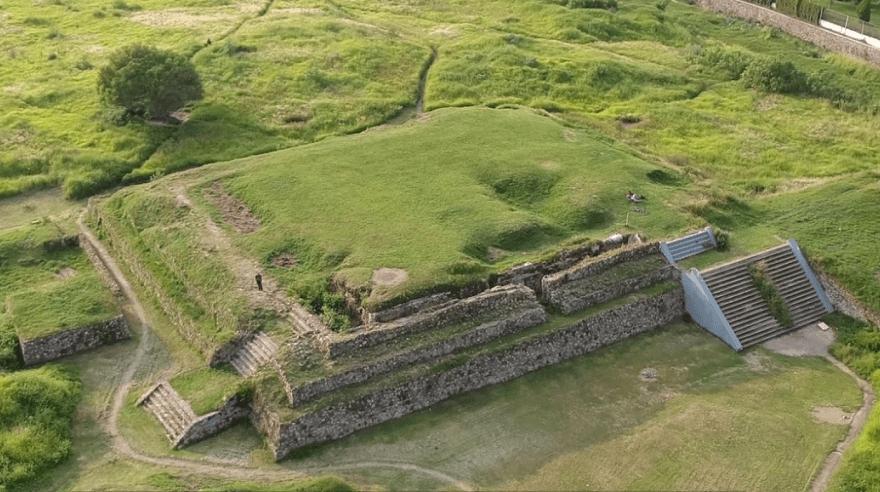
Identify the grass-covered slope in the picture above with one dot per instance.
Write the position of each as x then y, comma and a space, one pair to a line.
448, 199
35, 417
47, 284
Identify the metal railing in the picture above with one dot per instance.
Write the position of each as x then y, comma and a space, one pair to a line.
851, 23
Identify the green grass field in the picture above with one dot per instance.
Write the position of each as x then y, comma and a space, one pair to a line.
448, 199
45, 286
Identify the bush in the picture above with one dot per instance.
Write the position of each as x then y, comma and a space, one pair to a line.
809, 11
864, 10
148, 82
774, 75
731, 62
35, 419
770, 294
722, 240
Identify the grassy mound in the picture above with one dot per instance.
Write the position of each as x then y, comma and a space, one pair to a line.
47, 285
35, 417
447, 200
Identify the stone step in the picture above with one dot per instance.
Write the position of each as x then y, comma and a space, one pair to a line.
172, 412
257, 351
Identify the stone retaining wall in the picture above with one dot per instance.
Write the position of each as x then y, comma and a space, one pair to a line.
531, 274
125, 255
593, 266
571, 300
845, 302
338, 420
44, 349
517, 321
212, 423
796, 27
407, 308
501, 297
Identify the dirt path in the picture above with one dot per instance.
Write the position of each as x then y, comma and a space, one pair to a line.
228, 469
832, 462
812, 341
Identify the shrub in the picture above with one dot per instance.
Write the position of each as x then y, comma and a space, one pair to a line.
774, 75
148, 82
864, 10
8, 348
722, 239
729, 61
789, 7
809, 11
770, 294
35, 418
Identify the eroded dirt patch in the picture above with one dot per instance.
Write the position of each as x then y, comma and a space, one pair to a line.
66, 272
180, 18
648, 374
831, 415
285, 260
233, 210
389, 277
494, 254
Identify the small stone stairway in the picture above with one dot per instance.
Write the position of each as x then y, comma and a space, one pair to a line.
689, 245
172, 411
257, 351
742, 305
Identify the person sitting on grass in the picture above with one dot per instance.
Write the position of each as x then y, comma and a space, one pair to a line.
635, 197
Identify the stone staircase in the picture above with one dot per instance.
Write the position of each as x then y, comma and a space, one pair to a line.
257, 351
742, 305
689, 245
172, 411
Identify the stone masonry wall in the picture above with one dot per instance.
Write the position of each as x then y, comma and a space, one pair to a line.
845, 302
508, 296
338, 420
571, 300
593, 266
44, 349
212, 423
517, 321
798, 28
125, 254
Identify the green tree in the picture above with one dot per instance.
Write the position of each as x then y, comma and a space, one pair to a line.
148, 82
864, 10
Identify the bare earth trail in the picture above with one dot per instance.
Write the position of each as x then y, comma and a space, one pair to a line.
812, 341
214, 467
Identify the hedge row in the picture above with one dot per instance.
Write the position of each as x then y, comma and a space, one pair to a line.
803, 9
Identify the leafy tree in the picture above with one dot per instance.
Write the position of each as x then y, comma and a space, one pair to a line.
864, 10
148, 82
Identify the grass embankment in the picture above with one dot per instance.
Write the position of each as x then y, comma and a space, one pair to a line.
609, 429
47, 285
858, 346
35, 419
206, 389
164, 237
284, 77
448, 200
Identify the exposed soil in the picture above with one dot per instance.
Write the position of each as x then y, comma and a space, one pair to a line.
389, 277
831, 415
285, 260
233, 210
177, 18
65, 272
648, 374
494, 254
